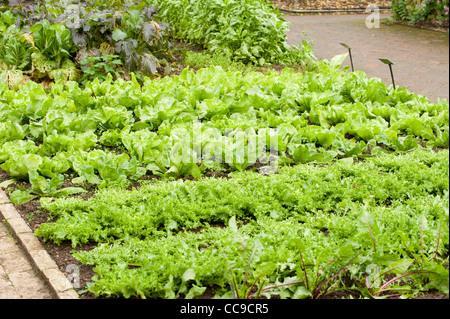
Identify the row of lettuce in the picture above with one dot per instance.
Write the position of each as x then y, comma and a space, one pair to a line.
53, 40
211, 120
372, 229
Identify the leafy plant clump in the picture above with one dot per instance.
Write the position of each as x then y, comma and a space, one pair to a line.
251, 31
99, 67
199, 60
75, 30
15, 55
433, 11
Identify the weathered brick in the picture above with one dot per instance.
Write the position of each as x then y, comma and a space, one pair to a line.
30, 242
18, 225
43, 260
8, 211
3, 197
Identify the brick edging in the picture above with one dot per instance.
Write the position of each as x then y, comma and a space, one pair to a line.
36, 253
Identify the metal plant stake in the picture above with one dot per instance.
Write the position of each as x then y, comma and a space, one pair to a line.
386, 61
350, 53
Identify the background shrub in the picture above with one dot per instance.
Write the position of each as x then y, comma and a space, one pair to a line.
416, 11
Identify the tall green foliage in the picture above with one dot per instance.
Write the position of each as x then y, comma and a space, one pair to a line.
415, 11
244, 30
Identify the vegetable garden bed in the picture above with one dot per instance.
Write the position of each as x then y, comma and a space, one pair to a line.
216, 222
229, 182
267, 236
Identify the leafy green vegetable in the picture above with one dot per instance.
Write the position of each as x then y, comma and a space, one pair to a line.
40, 186
18, 166
249, 30
53, 41
318, 209
14, 53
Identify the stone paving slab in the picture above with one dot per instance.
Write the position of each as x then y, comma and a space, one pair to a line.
420, 57
7, 290
18, 279
26, 269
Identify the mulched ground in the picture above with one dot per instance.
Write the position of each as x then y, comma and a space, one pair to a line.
328, 4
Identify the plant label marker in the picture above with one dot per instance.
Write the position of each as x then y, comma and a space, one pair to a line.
350, 53
386, 61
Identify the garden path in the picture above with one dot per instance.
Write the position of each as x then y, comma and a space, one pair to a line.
420, 57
